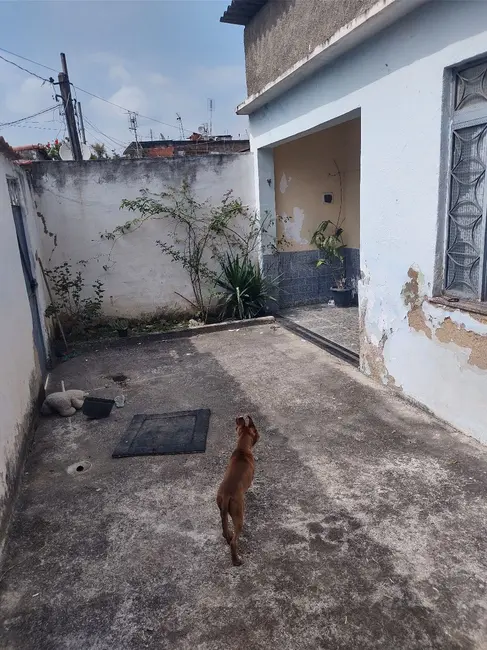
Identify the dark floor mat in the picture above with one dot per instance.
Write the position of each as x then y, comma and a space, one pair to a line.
183, 432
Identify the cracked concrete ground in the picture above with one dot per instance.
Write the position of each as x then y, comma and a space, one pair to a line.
366, 526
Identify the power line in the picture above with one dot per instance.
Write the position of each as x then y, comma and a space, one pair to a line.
24, 58
22, 119
101, 139
50, 80
31, 126
146, 117
87, 92
114, 140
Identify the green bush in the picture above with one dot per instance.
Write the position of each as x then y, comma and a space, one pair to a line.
245, 290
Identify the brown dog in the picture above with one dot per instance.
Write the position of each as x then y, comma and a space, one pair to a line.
236, 482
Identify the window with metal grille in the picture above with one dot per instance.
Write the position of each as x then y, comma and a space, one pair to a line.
466, 248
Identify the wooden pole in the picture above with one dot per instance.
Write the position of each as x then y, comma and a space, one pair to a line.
65, 90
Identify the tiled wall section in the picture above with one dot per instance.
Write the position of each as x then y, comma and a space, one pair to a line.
300, 281
352, 269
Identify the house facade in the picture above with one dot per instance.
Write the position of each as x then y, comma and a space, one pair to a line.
374, 114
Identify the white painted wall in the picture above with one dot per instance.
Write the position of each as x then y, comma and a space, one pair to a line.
395, 81
81, 200
20, 377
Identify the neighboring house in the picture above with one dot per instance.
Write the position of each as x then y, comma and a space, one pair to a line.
196, 145
29, 152
383, 105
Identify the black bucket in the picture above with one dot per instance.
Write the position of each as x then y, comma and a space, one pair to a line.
97, 407
342, 297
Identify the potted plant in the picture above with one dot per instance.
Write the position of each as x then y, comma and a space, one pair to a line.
328, 237
122, 327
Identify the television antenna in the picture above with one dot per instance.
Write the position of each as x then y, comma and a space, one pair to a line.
133, 127
180, 123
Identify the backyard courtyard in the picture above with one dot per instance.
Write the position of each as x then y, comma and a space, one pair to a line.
366, 526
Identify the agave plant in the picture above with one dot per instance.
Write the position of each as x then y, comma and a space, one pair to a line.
245, 290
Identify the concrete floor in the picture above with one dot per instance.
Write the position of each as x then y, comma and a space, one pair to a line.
337, 324
366, 527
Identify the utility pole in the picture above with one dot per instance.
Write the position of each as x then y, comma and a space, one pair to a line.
151, 137
65, 89
133, 128
81, 124
211, 106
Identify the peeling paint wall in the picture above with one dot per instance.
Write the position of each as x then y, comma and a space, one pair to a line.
304, 170
20, 377
433, 354
79, 201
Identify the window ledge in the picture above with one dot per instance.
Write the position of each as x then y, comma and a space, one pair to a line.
471, 306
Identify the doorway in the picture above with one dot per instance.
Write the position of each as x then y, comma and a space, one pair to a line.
317, 181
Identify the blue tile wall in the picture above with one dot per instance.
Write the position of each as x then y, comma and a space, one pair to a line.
300, 282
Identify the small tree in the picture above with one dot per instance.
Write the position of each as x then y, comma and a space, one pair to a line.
99, 152
201, 233
69, 305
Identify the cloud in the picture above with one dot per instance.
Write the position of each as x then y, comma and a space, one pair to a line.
119, 73
28, 97
157, 93
220, 75
157, 79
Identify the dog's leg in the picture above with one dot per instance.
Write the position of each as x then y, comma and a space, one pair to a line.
237, 515
254, 431
226, 532
223, 505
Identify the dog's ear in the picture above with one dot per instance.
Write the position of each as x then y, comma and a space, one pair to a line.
251, 424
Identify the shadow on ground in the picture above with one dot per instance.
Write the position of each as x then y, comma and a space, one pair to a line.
365, 528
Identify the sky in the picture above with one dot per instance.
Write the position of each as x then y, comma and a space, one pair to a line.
155, 57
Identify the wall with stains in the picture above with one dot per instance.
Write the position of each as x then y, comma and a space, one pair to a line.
304, 169
20, 376
285, 31
80, 201
434, 354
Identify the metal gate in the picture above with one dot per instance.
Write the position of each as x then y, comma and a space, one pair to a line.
29, 277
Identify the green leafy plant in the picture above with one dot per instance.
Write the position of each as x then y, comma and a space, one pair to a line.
202, 234
68, 304
330, 243
328, 237
52, 150
245, 290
